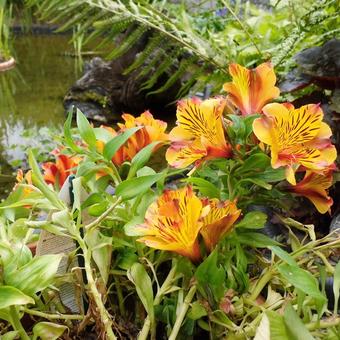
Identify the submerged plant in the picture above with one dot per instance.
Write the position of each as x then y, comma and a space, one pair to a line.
160, 257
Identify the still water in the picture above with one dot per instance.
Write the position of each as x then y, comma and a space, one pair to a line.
31, 94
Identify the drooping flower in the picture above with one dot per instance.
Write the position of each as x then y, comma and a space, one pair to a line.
297, 137
199, 135
57, 173
152, 130
218, 222
173, 223
314, 187
250, 90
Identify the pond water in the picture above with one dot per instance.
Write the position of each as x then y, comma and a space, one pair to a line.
31, 94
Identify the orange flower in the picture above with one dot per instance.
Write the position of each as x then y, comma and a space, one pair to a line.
173, 223
250, 90
199, 135
297, 137
57, 173
218, 222
153, 130
313, 186
24, 179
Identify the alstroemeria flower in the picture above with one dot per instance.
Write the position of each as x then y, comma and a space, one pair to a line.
199, 135
152, 130
218, 222
314, 187
173, 223
57, 173
24, 179
297, 137
250, 90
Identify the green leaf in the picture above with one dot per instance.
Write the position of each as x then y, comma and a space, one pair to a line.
205, 187
336, 287
255, 163
256, 181
130, 227
85, 129
67, 134
36, 275
115, 143
283, 255
102, 134
302, 280
272, 326
11, 296
138, 275
255, 240
10, 335
197, 311
211, 276
253, 220
271, 175
135, 186
39, 182
48, 331
295, 326
141, 158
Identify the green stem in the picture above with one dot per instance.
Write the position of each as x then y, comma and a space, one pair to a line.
182, 313
261, 283
119, 296
331, 322
103, 216
143, 335
104, 315
53, 316
15, 321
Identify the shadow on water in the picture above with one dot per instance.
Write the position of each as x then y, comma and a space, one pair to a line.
31, 94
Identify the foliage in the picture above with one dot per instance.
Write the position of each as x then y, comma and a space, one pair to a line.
196, 39
147, 263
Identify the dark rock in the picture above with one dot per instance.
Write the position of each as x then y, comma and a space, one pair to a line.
104, 92
335, 224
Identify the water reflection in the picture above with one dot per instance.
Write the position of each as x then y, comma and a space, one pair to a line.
31, 94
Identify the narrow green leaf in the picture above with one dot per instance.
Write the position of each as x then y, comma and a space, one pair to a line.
295, 325
135, 186
205, 187
11, 296
255, 163
283, 255
85, 129
115, 143
138, 275
336, 287
141, 158
256, 240
67, 133
39, 182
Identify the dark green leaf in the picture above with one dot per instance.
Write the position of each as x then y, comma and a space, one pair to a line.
255, 163
205, 187
336, 287
135, 186
256, 240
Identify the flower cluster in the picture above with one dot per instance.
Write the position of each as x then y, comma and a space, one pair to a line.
175, 220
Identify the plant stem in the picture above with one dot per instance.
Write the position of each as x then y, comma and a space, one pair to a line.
331, 322
103, 216
261, 283
104, 315
143, 335
182, 313
53, 316
119, 296
15, 321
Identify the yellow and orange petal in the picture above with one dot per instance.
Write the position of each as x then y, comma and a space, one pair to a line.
173, 222
22, 178
314, 187
57, 173
251, 89
199, 134
218, 222
297, 137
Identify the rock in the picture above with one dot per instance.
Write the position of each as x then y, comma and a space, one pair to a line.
335, 224
104, 92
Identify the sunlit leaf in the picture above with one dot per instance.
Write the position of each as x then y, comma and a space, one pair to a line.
11, 296
48, 331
